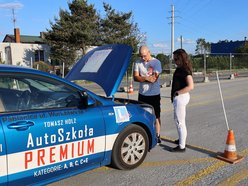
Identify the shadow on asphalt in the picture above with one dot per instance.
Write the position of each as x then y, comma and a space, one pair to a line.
192, 147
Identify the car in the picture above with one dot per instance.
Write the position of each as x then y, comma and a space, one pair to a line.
51, 128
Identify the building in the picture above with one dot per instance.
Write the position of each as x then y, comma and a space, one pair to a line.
23, 50
227, 47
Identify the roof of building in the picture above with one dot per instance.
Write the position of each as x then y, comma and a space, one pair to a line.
23, 39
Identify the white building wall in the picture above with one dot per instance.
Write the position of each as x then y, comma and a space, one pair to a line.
22, 54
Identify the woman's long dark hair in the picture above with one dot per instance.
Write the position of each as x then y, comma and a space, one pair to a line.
182, 54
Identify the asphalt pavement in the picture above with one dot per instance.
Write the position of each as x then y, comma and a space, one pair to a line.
207, 134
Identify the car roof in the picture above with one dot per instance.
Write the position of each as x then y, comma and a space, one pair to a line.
14, 68
22, 69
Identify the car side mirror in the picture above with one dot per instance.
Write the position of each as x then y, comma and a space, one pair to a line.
83, 100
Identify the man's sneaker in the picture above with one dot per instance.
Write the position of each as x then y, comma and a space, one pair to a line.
158, 139
178, 149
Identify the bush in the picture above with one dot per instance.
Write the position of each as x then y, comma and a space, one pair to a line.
40, 65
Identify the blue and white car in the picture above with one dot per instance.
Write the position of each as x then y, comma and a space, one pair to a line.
51, 128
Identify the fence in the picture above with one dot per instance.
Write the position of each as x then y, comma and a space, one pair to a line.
205, 66
220, 62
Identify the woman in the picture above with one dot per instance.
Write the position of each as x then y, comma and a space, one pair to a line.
182, 84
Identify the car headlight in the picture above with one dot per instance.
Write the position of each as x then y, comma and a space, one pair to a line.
148, 108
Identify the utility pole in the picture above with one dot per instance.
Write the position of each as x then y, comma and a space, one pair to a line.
13, 19
172, 35
181, 40
172, 28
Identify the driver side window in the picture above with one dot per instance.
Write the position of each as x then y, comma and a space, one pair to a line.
24, 92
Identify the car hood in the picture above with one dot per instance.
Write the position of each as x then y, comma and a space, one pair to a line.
104, 65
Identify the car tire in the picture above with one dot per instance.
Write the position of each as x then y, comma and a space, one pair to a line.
130, 148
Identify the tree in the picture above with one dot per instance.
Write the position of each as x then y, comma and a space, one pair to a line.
73, 31
165, 61
242, 58
57, 38
242, 49
81, 27
119, 28
202, 46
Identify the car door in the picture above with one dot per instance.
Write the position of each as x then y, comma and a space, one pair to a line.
48, 135
3, 158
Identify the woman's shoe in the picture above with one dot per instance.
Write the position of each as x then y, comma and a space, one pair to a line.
178, 149
176, 141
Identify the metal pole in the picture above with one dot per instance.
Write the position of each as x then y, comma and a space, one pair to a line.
172, 35
132, 74
230, 62
127, 84
63, 73
31, 62
205, 68
181, 39
222, 101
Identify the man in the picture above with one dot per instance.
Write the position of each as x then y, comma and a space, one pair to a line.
146, 71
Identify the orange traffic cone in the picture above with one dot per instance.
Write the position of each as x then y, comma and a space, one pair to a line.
230, 154
130, 88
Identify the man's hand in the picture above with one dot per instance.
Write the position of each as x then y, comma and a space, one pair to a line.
151, 79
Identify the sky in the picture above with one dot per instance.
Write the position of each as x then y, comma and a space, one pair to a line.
212, 20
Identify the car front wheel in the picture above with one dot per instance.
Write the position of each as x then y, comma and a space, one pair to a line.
130, 148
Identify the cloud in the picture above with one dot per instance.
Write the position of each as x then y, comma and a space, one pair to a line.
14, 5
185, 41
160, 45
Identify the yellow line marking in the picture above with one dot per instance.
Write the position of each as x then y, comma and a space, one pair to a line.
185, 161
233, 180
199, 175
165, 163
195, 177
104, 168
244, 152
236, 178
176, 162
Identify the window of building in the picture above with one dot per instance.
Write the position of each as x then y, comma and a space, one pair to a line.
8, 59
39, 55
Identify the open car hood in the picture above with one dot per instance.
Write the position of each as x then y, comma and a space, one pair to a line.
104, 65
